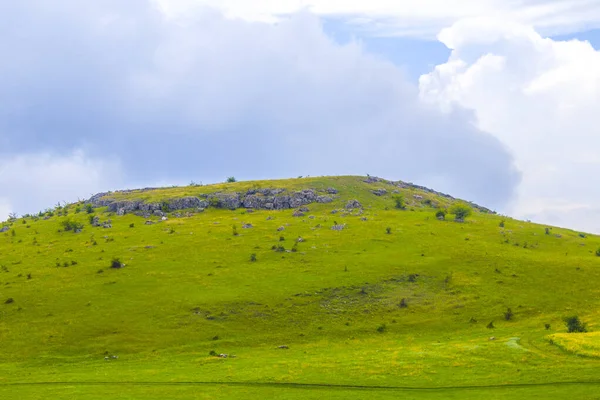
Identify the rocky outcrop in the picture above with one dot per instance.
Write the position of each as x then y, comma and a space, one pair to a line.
264, 199
4, 229
379, 192
353, 204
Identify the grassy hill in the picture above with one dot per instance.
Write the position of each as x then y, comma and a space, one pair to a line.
391, 301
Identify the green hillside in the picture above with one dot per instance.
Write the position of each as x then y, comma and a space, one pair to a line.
356, 290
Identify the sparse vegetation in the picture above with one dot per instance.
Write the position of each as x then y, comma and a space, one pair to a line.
460, 211
399, 202
406, 308
574, 324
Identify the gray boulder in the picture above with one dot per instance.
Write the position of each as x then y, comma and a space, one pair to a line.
353, 204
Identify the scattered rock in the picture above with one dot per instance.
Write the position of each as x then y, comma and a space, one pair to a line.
331, 190
4, 229
270, 217
283, 347
324, 199
311, 217
298, 213
247, 226
164, 218
338, 227
334, 211
281, 228
379, 192
96, 221
149, 222
418, 197
303, 209
372, 179
353, 204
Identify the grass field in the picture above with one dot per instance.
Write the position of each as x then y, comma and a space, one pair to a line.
363, 313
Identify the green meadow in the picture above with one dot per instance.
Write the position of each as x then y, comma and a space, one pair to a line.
397, 304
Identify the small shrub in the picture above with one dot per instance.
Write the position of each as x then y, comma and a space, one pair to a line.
231, 179
547, 326
253, 257
132, 225
69, 225
388, 230
281, 238
441, 215
235, 232
547, 231
399, 202
116, 263
403, 303
89, 208
598, 252
574, 324
10, 300
381, 328
508, 315
213, 353
501, 224
490, 325
460, 211
13, 233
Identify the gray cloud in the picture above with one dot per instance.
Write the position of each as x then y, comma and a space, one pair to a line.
210, 97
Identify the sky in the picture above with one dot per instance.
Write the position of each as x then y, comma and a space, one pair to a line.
493, 101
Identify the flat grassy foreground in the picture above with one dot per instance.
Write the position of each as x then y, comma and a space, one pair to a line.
419, 312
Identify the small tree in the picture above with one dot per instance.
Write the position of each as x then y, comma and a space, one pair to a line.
231, 179
89, 208
508, 315
460, 211
399, 202
574, 324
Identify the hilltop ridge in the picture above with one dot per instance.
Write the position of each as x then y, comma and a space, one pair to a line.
327, 280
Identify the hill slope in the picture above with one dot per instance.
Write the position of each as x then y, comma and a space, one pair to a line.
353, 289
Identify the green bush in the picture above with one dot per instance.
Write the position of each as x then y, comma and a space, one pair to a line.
574, 324
231, 179
89, 208
69, 225
441, 215
399, 202
460, 211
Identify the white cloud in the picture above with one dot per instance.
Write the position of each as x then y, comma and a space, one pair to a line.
212, 97
34, 182
538, 96
421, 18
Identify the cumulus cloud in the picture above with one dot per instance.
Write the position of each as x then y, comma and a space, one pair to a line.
414, 18
538, 96
206, 97
32, 182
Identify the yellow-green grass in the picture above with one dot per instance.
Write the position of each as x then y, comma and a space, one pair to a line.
583, 344
189, 287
